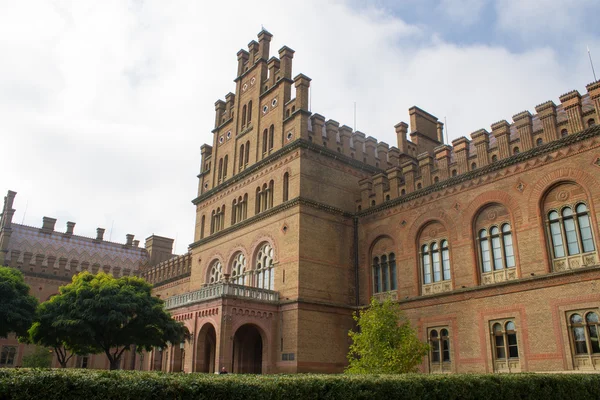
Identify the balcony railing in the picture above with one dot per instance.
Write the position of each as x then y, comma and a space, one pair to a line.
221, 290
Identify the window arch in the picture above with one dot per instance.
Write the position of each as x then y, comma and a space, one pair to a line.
568, 227
473, 166
265, 143
238, 270
225, 162
203, 221
271, 136
495, 244
241, 163
434, 257
215, 274
584, 329
286, 184
539, 142
454, 172
244, 116
249, 112
564, 132
220, 174
516, 150
591, 122
494, 158
439, 350
265, 277
247, 158
257, 208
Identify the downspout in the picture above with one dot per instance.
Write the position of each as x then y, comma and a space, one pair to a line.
356, 281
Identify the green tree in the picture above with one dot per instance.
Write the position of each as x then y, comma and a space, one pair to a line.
17, 306
40, 358
108, 315
385, 342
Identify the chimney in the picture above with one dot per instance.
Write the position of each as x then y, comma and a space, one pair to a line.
594, 92
48, 224
136, 243
501, 131
345, 135
70, 228
571, 103
129, 237
547, 114
242, 56
524, 127
302, 83
318, 121
100, 234
264, 40
219, 111
382, 153
481, 139
461, 150
286, 55
401, 129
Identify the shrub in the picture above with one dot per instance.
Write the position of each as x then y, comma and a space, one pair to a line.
40, 358
130, 385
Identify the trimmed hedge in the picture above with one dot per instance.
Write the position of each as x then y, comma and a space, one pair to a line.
134, 385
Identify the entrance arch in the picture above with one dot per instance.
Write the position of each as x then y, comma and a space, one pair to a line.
206, 347
247, 350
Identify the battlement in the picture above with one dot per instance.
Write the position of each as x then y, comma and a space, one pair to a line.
432, 165
48, 252
169, 270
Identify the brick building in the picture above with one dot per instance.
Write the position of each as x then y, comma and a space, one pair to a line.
489, 244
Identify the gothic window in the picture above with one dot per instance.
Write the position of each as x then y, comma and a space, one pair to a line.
495, 244
494, 158
454, 172
216, 272
257, 208
384, 273
505, 346
539, 142
238, 270
225, 162
249, 112
219, 176
265, 276
591, 122
286, 184
234, 214
8, 355
247, 158
243, 116
271, 137
473, 166
516, 150
434, 259
564, 133
419, 186
202, 222
439, 350
270, 194
568, 227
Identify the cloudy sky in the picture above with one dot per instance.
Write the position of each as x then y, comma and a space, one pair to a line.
104, 104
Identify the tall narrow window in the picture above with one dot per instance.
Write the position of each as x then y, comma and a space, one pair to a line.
505, 346
220, 174
439, 350
234, 211
243, 116
257, 201
271, 188
583, 331
216, 272
212, 222
384, 273
245, 207
225, 162
249, 112
8, 355
271, 137
247, 158
264, 268
265, 141
202, 222
241, 163
286, 183
222, 220
238, 270
435, 262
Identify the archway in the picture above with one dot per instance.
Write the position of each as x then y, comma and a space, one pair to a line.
247, 350
206, 346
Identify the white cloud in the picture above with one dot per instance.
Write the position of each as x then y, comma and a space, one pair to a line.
462, 12
104, 105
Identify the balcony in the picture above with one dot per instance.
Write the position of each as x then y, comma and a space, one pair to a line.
221, 290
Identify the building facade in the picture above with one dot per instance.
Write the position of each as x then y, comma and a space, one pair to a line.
489, 244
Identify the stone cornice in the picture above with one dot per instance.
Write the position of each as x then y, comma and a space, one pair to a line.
272, 211
297, 144
480, 172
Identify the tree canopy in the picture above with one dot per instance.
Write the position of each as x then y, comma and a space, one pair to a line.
17, 306
103, 314
385, 342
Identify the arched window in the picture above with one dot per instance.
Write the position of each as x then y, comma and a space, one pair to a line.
247, 158
258, 201
271, 136
516, 150
234, 206
439, 350
505, 345
222, 218
591, 122
265, 276
270, 194
494, 158
436, 179
220, 174
419, 185
564, 133
243, 116
583, 326
454, 172
216, 272
539, 142
434, 259
384, 273
495, 250
212, 222
402, 192
238, 270
8, 355
225, 162
203, 221
249, 112
569, 229
265, 143
473, 166
241, 164
286, 184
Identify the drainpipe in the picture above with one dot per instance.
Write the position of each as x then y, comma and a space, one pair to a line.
356, 282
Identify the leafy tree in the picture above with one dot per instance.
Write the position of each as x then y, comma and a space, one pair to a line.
17, 306
385, 342
103, 314
40, 358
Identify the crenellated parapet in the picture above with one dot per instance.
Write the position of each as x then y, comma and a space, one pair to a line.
408, 171
169, 270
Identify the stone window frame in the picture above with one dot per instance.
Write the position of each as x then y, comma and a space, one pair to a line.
443, 362
505, 362
504, 271
444, 284
589, 358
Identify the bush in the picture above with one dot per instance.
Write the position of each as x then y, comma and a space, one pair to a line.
40, 358
130, 385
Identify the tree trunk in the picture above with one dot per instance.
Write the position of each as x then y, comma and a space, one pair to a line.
63, 364
114, 363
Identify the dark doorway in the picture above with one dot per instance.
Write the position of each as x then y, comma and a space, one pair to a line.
247, 350
205, 349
